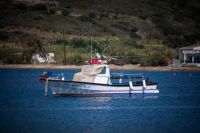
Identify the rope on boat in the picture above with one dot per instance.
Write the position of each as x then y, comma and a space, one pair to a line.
46, 87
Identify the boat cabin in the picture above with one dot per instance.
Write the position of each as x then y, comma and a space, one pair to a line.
94, 73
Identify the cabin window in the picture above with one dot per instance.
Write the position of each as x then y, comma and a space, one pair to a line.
103, 70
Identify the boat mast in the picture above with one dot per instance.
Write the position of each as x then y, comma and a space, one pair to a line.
91, 50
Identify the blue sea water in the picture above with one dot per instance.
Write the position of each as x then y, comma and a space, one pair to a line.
24, 109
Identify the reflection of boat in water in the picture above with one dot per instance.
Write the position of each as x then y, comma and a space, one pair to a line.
96, 79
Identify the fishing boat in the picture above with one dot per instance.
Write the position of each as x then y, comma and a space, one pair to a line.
96, 79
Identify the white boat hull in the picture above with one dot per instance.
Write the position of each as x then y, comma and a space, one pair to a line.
60, 87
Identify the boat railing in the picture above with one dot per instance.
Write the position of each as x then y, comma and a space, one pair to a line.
130, 78
57, 76
60, 76
126, 76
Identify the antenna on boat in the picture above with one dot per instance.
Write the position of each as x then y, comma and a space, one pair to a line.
91, 49
107, 47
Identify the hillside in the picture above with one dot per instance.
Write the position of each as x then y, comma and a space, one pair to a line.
133, 27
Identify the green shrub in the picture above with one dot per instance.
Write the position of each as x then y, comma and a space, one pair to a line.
7, 56
77, 43
163, 24
133, 44
92, 15
175, 41
157, 56
85, 19
119, 26
65, 12
75, 59
40, 7
60, 42
13, 60
21, 6
80, 43
155, 59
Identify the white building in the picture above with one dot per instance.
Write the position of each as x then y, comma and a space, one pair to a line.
43, 58
190, 54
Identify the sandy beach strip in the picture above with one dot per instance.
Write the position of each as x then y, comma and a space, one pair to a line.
39, 66
113, 67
